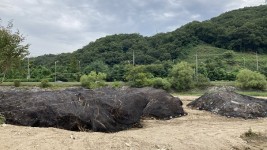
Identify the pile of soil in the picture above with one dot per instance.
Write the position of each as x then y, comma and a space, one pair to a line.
231, 104
105, 109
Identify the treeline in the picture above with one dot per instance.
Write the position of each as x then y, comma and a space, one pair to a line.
242, 30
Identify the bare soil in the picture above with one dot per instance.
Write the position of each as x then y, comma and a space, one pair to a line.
199, 130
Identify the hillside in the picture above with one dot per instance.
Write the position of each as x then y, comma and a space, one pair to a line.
242, 30
224, 45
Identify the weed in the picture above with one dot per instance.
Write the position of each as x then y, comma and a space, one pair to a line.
2, 119
17, 83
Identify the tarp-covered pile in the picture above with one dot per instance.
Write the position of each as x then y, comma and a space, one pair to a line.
231, 104
106, 109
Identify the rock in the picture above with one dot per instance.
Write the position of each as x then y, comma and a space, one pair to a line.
231, 104
78, 109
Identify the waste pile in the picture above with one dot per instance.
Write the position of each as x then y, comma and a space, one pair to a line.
79, 109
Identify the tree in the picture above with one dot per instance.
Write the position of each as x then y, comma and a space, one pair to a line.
181, 76
12, 50
138, 77
97, 66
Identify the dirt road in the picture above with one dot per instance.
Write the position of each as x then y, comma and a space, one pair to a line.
199, 130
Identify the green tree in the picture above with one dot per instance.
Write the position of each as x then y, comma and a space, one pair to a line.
97, 66
181, 76
12, 51
247, 79
117, 72
93, 80
137, 77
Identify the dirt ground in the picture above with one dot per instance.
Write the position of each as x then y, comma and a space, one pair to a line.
199, 130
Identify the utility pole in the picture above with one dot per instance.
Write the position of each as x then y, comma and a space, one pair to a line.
133, 58
29, 74
257, 61
196, 68
79, 66
55, 71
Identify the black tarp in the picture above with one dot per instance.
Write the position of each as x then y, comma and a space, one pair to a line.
105, 109
231, 104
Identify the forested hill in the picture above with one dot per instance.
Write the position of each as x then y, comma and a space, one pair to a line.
240, 30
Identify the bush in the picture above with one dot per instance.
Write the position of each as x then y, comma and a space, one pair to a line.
45, 83
202, 81
181, 76
247, 79
160, 83
117, 84
16, 83
93, 80
2, 119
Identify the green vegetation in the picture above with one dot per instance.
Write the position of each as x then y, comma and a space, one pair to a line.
182, 76
45, 83
196, 55
93, 80
2, 119
11, 49
161, 83
247, 79
17, 83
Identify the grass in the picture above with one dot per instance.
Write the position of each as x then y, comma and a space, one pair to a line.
242, 59
199, 92
254, 93
223, 83
193, 92
55, 84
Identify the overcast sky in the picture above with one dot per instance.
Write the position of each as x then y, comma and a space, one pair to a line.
57, 26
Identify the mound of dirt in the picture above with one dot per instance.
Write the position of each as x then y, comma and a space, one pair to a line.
105, 110
231, 104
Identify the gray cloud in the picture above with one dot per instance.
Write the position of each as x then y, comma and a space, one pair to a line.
64, 26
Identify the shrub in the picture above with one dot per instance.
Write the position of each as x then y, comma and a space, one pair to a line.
93, 80
202, 81
84, 81
117, 84
247, 79
181, 76
160, 83
16, 83
229, 54
45, 83
250, 133
2, 119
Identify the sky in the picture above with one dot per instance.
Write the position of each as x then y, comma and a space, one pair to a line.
60, 26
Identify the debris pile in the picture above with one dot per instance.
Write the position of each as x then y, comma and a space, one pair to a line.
231, 104
104, 110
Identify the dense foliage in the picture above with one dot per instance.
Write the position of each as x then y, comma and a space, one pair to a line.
93, 80
182, 76
12, 50
248, 79
241, 30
